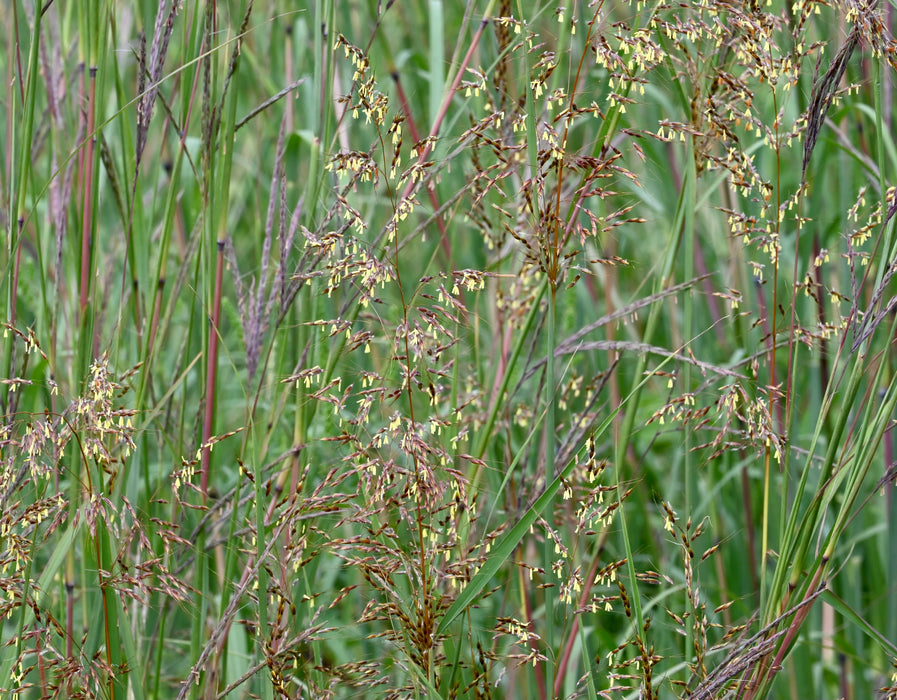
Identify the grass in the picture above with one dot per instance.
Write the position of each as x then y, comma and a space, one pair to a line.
417, 350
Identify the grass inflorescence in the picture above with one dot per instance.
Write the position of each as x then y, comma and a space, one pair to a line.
418, 350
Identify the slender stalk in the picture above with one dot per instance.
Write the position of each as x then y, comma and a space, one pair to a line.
211, 375
19, 179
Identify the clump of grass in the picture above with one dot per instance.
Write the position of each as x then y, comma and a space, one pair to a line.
518, 351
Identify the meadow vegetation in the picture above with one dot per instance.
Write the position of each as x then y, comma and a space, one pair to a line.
432, 349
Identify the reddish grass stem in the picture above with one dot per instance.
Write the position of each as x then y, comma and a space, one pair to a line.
437, 123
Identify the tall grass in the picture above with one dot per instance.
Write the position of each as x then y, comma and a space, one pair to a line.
419, 350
